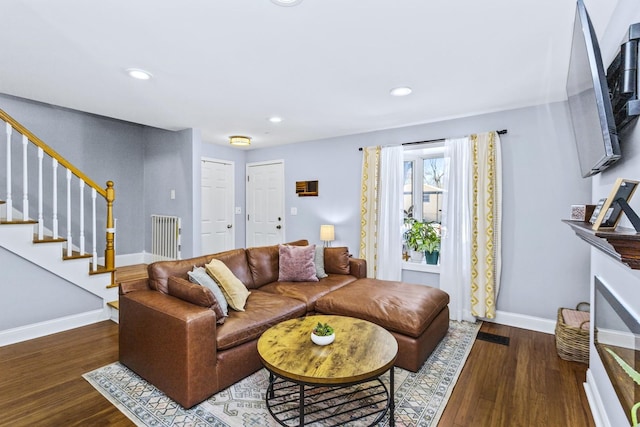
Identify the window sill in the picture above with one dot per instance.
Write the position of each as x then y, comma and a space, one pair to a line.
421, 266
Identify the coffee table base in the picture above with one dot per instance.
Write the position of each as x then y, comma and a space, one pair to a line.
358, 404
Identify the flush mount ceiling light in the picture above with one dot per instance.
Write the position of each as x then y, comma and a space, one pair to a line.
239, 140
139, 74
400, 91
287, 3
275, 119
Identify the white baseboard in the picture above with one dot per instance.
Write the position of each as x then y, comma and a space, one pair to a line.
524, 321
595, 402
37, 330
131, 259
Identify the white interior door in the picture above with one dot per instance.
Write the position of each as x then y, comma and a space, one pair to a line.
265, 204
217, 206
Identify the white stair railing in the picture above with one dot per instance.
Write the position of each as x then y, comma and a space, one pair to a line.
72, 173
25, 180
8, 199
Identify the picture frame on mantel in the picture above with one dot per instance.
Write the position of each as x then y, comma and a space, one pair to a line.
611, 211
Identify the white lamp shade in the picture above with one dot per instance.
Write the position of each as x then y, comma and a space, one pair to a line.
327, 233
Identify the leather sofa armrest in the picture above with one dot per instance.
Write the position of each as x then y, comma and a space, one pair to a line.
171, 343
358, 267
133, 285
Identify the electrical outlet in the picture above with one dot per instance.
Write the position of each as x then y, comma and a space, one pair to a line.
294, 211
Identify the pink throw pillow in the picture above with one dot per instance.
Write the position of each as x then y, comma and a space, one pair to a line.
296, 263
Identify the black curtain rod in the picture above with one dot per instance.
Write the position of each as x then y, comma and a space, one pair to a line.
500, 132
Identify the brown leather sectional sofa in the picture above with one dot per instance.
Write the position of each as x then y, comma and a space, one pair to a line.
179, 347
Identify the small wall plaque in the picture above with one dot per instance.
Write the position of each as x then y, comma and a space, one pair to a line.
306, 188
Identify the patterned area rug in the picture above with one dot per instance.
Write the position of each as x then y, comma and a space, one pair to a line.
420, 397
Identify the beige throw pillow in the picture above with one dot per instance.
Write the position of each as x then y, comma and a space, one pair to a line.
235, 292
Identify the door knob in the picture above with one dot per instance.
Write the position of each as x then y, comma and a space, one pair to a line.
229, 225
278, 227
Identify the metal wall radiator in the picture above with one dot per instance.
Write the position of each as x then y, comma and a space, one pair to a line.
165, 237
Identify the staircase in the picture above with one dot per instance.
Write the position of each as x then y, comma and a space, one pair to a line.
56, 238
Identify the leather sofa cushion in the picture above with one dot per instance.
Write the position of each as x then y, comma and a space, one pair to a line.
309, 292
396, 306
262, 311
264, 263
195, 294
159, 272
336, 260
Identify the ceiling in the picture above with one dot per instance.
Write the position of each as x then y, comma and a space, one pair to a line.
324, 66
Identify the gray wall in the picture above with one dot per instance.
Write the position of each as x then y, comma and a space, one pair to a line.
168, 166
544, 266
31, 294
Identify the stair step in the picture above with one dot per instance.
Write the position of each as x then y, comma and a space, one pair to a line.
114, 304
47, 239
17, 221
100, 270
74, 255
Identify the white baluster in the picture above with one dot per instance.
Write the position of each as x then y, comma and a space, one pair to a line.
95, 237
40, 191
55, 198
8, 202
25, 180
81, 217
69, 240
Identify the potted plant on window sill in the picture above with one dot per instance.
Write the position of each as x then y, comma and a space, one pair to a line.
422, 239
432, 250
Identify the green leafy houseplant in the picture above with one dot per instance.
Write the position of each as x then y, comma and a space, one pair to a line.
323, 330
422, 236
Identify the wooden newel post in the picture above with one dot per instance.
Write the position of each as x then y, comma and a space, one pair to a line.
109, 252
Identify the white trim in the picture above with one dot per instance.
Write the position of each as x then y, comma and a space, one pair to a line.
418, 266
595, 402
37, 330
524, 321
130, 259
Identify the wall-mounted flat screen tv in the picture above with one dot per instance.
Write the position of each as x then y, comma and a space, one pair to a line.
589, 104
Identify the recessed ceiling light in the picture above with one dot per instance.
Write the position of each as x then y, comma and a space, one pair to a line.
139, 74
275, 119
287, 2
400, 91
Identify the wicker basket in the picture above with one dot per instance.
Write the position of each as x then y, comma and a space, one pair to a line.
572, 343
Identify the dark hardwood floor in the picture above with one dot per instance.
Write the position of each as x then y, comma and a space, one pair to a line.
522, 384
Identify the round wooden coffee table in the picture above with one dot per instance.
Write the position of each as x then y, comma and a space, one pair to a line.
339, 381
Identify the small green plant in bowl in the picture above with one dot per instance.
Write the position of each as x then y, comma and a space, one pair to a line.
323, 334
323, 330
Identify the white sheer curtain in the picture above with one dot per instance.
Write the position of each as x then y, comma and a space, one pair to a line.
381, 212
390, 219
470, 261
455, 247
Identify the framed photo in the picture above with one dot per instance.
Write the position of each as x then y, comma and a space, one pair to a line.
597, 210
610, 212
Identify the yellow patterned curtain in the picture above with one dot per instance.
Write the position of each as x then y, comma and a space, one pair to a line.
369, 207
486, 224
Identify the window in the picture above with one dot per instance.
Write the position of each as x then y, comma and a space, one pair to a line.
423, 181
